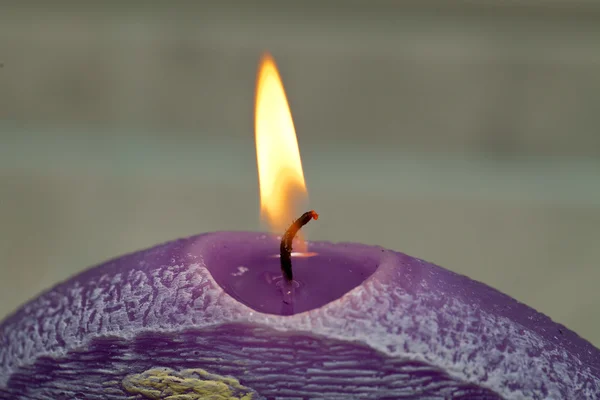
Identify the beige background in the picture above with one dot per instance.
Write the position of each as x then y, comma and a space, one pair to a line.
465, 135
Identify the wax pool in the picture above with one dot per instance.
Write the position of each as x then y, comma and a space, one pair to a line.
203, 317
250, 272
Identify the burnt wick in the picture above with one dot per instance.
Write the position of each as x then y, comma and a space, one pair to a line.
285, 249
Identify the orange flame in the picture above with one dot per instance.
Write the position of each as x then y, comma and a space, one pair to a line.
282, 188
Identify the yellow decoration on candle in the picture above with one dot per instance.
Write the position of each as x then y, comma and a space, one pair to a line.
188, 384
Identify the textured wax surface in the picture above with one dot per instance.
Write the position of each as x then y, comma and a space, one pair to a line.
411, 328
270, 362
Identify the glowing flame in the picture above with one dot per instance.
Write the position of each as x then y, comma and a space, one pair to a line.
280, 177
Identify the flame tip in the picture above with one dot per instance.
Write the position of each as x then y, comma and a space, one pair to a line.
266, 56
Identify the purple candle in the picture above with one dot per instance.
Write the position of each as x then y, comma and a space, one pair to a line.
238, 315
203, 316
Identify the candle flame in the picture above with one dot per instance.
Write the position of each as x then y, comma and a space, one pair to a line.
281, 179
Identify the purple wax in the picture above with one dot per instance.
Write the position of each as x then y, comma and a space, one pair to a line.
204, 316
250, 272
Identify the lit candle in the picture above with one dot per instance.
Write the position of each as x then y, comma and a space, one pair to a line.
239, 315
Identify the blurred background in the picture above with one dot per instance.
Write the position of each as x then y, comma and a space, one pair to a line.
464, 134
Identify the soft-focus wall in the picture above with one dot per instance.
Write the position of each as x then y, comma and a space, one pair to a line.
467, 135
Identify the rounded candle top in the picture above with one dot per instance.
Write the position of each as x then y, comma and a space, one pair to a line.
401, 307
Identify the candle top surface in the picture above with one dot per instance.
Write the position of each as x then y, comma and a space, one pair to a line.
401, 307
250, 272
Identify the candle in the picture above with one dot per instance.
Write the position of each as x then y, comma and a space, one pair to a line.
242, 315
204, 315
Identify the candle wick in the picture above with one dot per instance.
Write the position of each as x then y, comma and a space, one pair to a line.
285, 249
